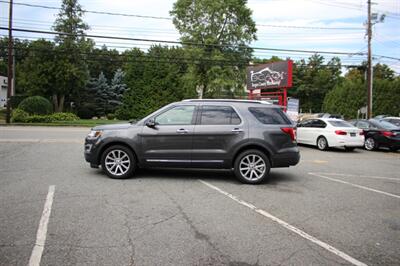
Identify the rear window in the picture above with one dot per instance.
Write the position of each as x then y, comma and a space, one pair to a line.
340, 124
270, 116
385, 124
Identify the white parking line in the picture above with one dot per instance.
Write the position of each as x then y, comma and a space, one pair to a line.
288, 226
355, 185
366, 176
37, 251
69, 141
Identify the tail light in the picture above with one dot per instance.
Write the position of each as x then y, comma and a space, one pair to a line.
340, 132
290, 131
387, 133
362, 133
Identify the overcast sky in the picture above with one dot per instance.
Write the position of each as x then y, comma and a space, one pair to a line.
268, 14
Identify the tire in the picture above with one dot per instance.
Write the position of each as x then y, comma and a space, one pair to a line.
349, 148
370, 144
394, 149
322, 144
118, 162
252, 167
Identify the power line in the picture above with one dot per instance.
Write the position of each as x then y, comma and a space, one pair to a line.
181, 43
90, 11
169, 18
293, 56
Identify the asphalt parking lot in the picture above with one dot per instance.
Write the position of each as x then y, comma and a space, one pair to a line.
334, 208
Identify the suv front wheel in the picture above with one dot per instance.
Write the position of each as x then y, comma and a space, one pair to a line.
252, 167
118, 162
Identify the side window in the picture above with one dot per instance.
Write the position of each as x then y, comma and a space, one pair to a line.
362, 124
219, 115
318, 123
306, 123
270, 116
179, 115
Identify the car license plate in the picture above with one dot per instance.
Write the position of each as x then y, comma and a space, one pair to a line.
352, 134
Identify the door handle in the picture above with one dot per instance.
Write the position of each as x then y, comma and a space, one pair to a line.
182, 131
237, 130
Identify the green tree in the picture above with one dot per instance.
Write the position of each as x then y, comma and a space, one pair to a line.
117, 90
348, 97
154, 80
312, 80
35, 73
71, 69
100, 91
104, 60
223, 28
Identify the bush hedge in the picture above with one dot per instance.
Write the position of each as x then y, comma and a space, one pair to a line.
20, 116
36, 105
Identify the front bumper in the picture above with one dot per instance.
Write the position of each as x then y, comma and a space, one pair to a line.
91, 152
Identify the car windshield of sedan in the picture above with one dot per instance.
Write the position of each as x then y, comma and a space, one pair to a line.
338, 123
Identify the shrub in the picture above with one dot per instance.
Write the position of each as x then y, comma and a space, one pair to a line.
87, 111
36, 105
16, 100
63, 117
19, 116
38, 119
111, 116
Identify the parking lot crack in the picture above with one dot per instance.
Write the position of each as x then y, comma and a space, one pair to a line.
197, 234
125, 214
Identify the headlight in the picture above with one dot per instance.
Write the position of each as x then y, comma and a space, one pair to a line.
94, 134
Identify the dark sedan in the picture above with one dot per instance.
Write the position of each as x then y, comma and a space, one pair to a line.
379, 133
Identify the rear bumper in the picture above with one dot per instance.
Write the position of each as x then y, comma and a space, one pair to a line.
285, 159
347, 142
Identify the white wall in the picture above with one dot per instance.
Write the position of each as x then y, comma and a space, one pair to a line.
3, 91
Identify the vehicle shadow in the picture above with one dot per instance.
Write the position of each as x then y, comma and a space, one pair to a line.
227, 176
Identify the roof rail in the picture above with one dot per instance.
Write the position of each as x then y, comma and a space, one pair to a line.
226, 100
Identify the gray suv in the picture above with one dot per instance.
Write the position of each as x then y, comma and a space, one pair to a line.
250, 137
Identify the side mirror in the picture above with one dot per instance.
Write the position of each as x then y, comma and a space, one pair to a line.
151, 123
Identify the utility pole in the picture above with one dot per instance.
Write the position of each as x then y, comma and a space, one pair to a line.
369, 64
10, 63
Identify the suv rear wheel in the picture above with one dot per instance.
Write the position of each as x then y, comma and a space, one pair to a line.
118, 162
252, 167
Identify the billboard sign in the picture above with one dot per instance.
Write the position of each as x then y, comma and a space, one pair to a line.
272, 75
293, 109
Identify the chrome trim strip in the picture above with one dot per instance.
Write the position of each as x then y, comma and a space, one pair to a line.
167, 161
182, 161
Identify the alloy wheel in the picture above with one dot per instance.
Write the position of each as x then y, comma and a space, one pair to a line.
252, 167
117, 162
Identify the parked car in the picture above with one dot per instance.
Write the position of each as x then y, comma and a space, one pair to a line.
249, 137
391, 119
329, 132
379, 133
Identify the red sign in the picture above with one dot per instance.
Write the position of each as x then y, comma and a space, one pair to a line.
269, 76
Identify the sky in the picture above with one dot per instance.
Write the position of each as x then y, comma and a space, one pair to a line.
283, 24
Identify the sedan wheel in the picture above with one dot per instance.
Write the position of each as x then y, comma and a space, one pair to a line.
322, 143
118, 162
252, 167
370, 144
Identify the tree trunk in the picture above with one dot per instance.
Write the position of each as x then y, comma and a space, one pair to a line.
58, 103
55, 102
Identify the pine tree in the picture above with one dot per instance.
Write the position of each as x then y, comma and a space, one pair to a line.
117, 89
